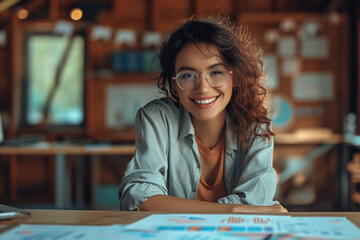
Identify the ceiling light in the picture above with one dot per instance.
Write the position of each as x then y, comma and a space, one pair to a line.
23, 14
76, 14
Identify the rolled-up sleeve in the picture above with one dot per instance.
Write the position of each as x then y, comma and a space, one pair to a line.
257, 183
146, 173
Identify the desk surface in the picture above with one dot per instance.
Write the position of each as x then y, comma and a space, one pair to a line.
307, 137
51, 149
99, 217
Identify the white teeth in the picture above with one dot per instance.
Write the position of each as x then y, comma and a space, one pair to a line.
207, 101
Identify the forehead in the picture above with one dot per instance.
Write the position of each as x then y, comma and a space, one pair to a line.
197, 56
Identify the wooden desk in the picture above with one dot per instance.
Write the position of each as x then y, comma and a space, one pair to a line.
62, 168
99, 217
317, 142
307, 138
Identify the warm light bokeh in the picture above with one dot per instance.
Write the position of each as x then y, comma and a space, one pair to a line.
76, 14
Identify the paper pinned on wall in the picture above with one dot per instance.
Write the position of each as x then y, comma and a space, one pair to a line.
287, 25
64, 27
151, 39
286, 46
291, 67
2, 37
271, 35
316, 47
310, 28
271, 71
101, 33
123, 102
313, 87
125, 37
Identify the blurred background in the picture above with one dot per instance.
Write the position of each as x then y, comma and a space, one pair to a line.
73, 73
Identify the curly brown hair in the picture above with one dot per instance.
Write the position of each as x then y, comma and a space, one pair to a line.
239, 52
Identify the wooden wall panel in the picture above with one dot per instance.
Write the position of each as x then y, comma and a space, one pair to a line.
205, 7
335, 109
243, 6
129, 14
167, 14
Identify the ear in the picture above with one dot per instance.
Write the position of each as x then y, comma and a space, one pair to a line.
234, 88
174, 87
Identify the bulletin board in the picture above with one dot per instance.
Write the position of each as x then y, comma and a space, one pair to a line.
358, 90
305, 62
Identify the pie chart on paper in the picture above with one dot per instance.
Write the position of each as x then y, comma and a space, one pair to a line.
281, 112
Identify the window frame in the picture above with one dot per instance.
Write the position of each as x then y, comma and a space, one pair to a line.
23, 124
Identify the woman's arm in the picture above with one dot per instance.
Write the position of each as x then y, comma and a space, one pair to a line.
253, 179
145, 174
175, 204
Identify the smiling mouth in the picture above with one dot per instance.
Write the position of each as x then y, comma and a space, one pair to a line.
205, 101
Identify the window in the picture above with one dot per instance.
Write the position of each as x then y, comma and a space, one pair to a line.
44, 55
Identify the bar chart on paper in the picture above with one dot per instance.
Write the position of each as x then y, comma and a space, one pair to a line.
106, 232
216, 223
254, 220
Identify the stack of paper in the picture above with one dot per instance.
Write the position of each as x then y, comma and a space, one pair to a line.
198, 227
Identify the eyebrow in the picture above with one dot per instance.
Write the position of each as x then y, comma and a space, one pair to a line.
193, 69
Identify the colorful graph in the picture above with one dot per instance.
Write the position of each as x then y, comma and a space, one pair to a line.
220, 223
233, 220
268, 229
108, 232
255, 220
187, 220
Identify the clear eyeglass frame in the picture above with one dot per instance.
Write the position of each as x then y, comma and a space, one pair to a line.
207, 77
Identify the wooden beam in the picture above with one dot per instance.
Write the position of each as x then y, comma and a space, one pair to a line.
6, 4
53, 10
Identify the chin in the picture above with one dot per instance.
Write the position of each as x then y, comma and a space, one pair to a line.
204, 117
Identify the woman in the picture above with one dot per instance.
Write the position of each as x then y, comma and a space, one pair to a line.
207, 146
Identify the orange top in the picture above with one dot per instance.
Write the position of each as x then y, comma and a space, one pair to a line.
213, 188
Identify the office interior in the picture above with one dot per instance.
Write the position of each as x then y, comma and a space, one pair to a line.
73, 73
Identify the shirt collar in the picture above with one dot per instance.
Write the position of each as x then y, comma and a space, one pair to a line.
186, 128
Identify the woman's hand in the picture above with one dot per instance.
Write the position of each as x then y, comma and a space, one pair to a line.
250, 208
175, 204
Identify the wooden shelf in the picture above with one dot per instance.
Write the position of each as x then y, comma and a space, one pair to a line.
295, 138
122, 78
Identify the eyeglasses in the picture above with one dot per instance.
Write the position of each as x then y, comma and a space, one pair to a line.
188, 79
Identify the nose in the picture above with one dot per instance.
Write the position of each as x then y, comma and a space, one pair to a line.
202, 85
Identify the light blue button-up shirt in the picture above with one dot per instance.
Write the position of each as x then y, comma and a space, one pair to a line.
167, 162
